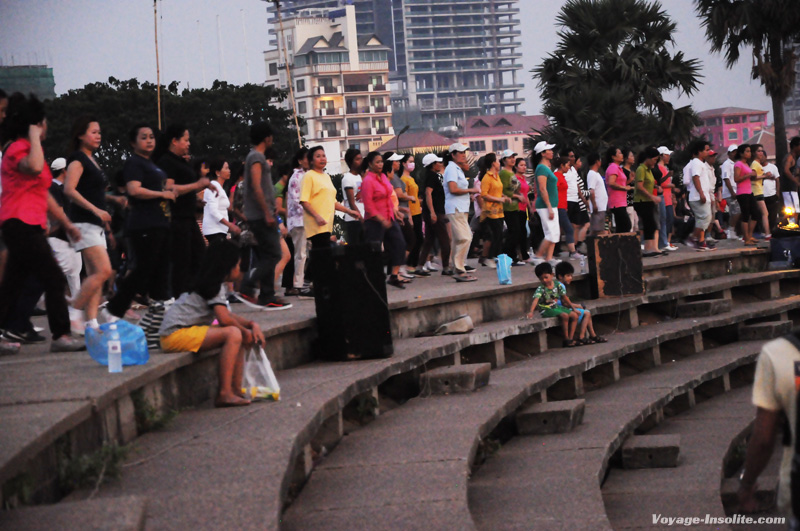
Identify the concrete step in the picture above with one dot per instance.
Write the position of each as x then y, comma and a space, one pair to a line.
126, 513
704, 308
550, 417
651, 451
655, 283
766, 331
456, 379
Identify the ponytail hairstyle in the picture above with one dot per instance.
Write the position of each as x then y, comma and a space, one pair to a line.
371, 156
488, 160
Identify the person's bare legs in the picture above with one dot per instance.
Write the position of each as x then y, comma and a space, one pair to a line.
764, 216
564, 318
573, 324
546, 250
286, 255
587, 318
584, 324
230, 338
99, 268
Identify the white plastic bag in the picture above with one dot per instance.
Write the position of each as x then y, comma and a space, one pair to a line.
259, 380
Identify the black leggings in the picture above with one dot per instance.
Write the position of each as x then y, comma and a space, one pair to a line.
150, 273
392, 239
437, 231
413, 256
648, 214
493, 231
622, 221
29, 254
748, 205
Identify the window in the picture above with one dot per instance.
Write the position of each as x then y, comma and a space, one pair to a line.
273, 69
326, 104
733, 119
755, 118
373, 56
745, 133
355, 145
302, 108
732, 135
499, 145
326, 82
477, 145
301, 85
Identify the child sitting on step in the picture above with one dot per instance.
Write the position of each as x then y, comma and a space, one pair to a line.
187, 323
547, 296
564, 272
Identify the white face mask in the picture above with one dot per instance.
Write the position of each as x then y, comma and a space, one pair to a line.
411, 166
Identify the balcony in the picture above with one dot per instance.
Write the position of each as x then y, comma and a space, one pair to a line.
334, 112
333, 133
329, 90
459, 103
365, 88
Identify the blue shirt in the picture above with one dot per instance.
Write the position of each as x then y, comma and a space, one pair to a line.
455, 203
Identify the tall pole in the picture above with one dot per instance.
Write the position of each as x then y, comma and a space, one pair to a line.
158, 64
288, 72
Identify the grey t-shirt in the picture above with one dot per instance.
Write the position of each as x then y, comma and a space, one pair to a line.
191, 310
251, 208
397, 182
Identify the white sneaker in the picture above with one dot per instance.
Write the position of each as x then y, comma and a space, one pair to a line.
536, 261
430, 266
491, 263
107, 316
405, 274
671, 248
576, 256
554, 262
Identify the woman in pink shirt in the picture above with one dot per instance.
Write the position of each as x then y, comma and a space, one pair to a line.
616, 184
24, 205
743, 175
380, 225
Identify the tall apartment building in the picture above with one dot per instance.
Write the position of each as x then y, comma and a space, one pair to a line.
36, 79
450, 59
340, 79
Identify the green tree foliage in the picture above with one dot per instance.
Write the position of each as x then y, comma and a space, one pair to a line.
218, 118
772, 28
605, 83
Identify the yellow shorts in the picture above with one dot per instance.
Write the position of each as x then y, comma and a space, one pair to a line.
186, 339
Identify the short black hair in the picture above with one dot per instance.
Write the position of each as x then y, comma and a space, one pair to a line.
259, 132
310, 153
697, 146
543, 269
592, 158
564, 268
794, 142
350, 156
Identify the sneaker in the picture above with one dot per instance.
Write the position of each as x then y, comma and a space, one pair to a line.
576, 256
67, 343
26, 338
691, 243
406, 274
518, 263
554, 262
701, 246
233, 300
536, 261
491, 263
711, 245
768, 237
420, 273
670, 248
275, 304
8, 347
107, 316
447, 272
306, 293
430, 266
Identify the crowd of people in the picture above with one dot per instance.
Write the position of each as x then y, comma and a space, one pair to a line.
96, 247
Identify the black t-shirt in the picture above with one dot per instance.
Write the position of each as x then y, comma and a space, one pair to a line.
629, 181
146, 213
434, 182
182, 173
57, 191
92, 186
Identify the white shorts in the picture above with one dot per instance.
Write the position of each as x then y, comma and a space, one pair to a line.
551, 228
91, 236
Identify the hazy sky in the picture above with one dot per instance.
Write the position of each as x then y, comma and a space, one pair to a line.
89, 40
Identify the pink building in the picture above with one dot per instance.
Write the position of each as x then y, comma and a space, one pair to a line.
493, 133
730, 125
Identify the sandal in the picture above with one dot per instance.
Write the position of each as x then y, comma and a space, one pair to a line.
569, 343
465, 278
598, 339
396, 282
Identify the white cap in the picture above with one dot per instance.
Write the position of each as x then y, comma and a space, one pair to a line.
458, 147
542, 146
664, 150
396, 156
430, 158
732, 147
508, 153
59, 164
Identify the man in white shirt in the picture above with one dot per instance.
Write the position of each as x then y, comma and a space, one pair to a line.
772, 196
695, 181
729, 192
598, 196
456, 206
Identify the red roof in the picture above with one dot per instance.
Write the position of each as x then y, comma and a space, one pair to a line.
423, 139
503, 124
724, 111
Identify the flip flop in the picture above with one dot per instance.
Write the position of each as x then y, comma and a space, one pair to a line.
465, 278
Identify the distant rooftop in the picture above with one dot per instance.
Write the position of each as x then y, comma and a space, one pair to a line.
500, 124
420, 141
724, 111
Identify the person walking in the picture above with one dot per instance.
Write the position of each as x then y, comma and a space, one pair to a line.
457, 194
24, 204
514, 241
617, 188
434, 214
262, 221
699, 194
493, 202
546, 202
216, 223
666, 212
295, 224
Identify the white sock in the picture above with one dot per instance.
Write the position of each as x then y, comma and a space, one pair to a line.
92, 323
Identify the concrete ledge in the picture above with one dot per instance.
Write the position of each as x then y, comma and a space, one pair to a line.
766, 331
655, 283
113, 514
651, 451
704, 308
456, 379
550, 417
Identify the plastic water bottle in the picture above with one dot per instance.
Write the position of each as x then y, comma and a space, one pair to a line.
114, 350
730, 267
531, 253
583, 264
789, 257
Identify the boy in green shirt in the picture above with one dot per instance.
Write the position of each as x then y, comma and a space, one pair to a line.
547, 296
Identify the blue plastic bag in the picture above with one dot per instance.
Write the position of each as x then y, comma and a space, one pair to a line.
504, 269
134, 344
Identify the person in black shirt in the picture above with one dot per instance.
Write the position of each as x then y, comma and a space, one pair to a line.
148, 226
433, 212
188, 246
85, 187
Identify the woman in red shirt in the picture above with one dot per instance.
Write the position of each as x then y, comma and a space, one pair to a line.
24, 204
380, 224
563, 216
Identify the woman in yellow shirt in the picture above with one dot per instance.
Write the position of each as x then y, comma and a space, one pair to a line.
415, 210
318, 199
493, 199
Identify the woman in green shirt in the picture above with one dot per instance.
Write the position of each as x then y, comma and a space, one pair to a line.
546, 200
645, 202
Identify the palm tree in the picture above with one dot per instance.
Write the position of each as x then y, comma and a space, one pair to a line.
605, 82
772, 28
